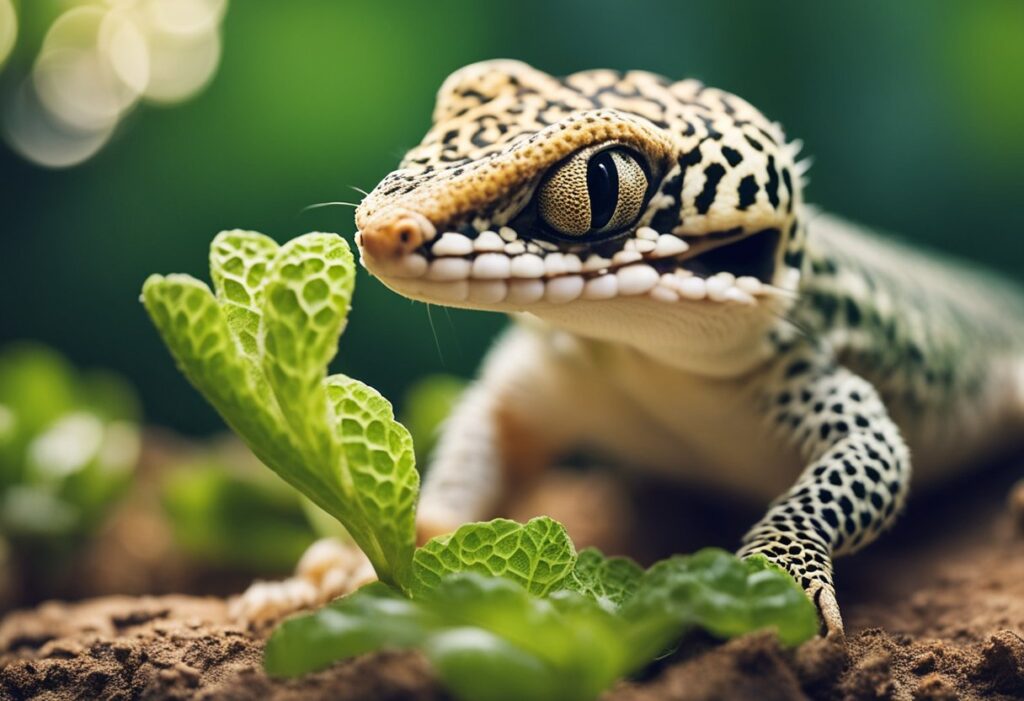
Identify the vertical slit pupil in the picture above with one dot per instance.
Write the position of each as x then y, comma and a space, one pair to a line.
603, 187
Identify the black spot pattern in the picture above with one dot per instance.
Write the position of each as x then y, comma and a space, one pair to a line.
857, 472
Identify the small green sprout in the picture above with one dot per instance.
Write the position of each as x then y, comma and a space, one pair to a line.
227, 510
503, 610
258, 351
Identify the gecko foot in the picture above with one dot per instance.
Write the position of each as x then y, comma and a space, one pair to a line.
328, 569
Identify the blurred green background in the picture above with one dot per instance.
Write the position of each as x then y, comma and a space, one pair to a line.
912, 112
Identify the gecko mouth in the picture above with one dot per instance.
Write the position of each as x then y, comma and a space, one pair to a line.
499, 269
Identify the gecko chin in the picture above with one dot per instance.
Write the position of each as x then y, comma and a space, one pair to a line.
497, 270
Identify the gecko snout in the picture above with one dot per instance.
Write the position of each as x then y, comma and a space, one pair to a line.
396, 235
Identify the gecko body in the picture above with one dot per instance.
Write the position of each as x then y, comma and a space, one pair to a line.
682, 309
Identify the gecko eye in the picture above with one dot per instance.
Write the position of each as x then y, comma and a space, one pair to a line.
594, 192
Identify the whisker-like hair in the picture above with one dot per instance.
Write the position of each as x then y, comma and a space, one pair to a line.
800, 328
780, 291
360, 190
329, 204
433, 330
455, 332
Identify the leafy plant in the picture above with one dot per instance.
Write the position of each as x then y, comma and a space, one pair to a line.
503, 610
258, 352
69, 442
493, 638
228, 511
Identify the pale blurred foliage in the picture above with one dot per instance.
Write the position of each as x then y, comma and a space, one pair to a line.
8, 29
97, 61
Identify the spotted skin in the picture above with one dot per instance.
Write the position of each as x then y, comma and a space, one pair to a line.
730, 336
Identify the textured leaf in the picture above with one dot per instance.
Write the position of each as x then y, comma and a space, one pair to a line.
538, 554
378, 469
306, 301
194, 327
724, 595
238, 266
609, 580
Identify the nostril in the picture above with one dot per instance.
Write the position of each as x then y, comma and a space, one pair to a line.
396, 236
408, 235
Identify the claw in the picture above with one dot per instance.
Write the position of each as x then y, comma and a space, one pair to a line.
828, 609
327, 570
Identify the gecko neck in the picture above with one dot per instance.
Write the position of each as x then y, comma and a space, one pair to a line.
682, 338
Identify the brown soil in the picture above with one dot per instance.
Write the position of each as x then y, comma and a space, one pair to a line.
935, 611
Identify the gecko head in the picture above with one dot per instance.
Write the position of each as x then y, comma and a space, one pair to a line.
618, 206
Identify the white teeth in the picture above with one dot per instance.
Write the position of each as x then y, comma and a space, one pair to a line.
717, 287
488, 241
683, 273
491, 266
563, 289
735, 294
664, 294
750, 285
507, 233
692, 288
487, 291
645, 246
669, 245
646, 232
525, 291
554, 264
636, 279
625, 257
446, 269
594, 262
411, 266
515, 248
527, 265
601, 287
572, 263
452, 244
454, 291
547, 245
533, 248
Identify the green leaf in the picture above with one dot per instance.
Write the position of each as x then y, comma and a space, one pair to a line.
477, 665
373, 618
195, 329
722, 594
538, 554
307, 294
488, 638
491, 639
232, 517
238, 265
381, 480
259, 351
609, 580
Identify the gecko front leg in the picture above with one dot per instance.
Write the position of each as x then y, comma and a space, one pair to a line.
855, 481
